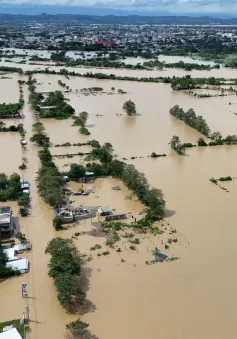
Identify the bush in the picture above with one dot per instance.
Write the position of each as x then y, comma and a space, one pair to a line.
22, 167
23, 211
225, 178
201, 142
84, 131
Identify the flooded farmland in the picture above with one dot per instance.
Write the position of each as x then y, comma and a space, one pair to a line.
193, 297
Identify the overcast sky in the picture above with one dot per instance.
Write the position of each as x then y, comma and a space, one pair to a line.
174, 6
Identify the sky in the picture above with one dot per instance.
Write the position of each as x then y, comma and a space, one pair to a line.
172, 6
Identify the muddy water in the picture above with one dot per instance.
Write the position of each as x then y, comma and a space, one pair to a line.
193, 297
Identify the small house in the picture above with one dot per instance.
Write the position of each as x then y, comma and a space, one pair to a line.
21, 265
160, 256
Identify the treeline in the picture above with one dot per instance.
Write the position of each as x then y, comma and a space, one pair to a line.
153, 198
177, 83
180, 64
10, 110
64, 268
12, 128
191, 119
11, 69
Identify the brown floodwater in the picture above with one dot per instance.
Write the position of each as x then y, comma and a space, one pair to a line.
193, 297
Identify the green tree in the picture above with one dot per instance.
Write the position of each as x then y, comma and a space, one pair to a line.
129, 107
83, 116
38, 127
216, 136
57, 223
45, 156
69, 291
79, 329
177, 146
155, 200
40, 139
201, 142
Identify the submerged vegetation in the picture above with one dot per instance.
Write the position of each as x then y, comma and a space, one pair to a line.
53, 105
153, 198
177, 146
49, 180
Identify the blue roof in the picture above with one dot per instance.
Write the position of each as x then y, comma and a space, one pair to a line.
105, 209
160, 255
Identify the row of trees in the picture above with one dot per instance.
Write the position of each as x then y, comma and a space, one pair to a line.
177, 83
65, 268
190, 118
216, 137
49, 180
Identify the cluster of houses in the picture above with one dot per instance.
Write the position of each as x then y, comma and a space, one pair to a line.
19, 264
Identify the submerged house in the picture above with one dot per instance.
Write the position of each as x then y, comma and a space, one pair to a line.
159, 256
65, 215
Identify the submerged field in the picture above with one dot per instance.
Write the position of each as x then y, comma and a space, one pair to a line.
193, 297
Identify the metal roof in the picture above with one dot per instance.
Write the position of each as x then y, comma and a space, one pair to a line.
10, 334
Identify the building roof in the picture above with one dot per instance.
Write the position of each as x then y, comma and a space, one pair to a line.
105, 209
5, 218
10, 334
5, 209
47, 107
21, 265
160, 255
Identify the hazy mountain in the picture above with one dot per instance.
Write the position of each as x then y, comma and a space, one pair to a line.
37, 8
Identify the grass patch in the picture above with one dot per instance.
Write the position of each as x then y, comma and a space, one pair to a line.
16, 323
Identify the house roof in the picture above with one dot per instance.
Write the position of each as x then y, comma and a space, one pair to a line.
5, 209
10, 252
10, 334
105, 209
